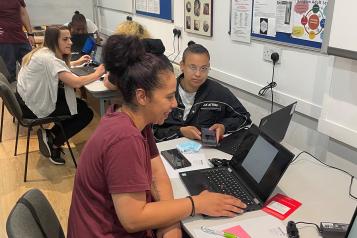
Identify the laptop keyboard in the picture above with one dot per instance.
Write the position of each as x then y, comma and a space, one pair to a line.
221, 181
88, 69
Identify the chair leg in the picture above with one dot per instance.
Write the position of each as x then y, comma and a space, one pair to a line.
69, 147
27, 152
17, 137
2, 120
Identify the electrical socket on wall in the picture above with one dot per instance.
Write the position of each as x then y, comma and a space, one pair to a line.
268, 50
179, 29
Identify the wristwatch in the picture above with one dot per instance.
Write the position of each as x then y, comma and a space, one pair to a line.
30, 34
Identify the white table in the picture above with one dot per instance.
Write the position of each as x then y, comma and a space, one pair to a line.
98, 90
322, 191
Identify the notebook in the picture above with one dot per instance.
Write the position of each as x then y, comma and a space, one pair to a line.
90, 68
275, 125
252, 174
352, 228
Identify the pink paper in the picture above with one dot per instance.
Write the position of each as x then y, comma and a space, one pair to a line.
238, 231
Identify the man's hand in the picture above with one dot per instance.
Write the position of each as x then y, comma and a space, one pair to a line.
219, 128
191, 132
173, 231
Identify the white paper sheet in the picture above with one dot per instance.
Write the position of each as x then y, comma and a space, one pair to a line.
283, 16
198, 161
141, 5
241, 23
259, 227
264, 17
153, 6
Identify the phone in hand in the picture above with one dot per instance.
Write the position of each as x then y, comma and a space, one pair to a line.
176, 159
208, 137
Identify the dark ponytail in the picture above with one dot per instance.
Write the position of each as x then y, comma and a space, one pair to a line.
131, 67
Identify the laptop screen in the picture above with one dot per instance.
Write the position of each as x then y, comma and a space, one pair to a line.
253, 163
89, 45
79, 40
260, 162
276, 124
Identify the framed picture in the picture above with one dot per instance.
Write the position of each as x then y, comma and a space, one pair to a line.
199, 17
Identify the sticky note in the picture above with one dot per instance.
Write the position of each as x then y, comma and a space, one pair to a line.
238, 231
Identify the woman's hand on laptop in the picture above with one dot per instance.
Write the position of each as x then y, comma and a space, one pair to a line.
99, 71
217, 204
83, 60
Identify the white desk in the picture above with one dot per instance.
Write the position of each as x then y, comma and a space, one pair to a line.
98, 90
322, 191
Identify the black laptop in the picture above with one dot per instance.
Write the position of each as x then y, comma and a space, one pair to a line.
90, 68
352, 228
275, 125
252, 174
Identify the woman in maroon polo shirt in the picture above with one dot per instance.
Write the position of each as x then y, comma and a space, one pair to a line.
121, 188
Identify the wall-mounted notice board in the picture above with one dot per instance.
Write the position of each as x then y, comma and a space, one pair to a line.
297, 23
161, 9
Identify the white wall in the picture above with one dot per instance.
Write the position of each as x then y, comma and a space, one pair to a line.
47, 12
339, 115
302, 76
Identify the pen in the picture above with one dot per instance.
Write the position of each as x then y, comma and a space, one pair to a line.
220, 233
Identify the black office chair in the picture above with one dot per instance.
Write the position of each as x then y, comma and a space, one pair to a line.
5, 72
14, 108
33, 217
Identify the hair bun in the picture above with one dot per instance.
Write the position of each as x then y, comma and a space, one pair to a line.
76, 12
120, 52
191, 42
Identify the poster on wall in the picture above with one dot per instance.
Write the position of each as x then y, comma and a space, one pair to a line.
284, 16
264, 17
149, 6
198, 17
309, 19
241, 23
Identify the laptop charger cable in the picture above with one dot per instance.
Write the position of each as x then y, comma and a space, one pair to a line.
275, 58
326, 229
293, 231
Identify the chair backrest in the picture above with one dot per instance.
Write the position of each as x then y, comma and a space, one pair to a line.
9, 98
33, 217
3, 68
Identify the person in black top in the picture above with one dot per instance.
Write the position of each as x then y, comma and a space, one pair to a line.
202, 102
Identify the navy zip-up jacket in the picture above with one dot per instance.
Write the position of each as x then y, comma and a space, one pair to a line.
213, 104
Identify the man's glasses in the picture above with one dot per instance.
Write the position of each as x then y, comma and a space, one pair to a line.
203, 69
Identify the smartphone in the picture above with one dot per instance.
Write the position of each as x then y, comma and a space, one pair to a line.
208, 137
176, 159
